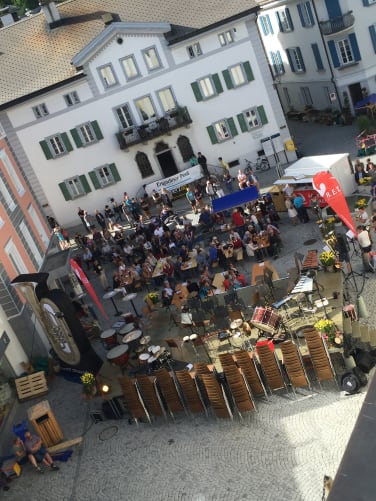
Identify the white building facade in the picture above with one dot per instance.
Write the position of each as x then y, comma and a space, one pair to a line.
321, 52
139, 102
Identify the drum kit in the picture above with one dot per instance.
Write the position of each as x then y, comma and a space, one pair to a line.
156, 357
269, 323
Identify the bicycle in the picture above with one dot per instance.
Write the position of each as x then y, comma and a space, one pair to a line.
260, 164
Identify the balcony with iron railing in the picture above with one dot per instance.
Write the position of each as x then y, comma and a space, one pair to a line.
337, 24
155, 128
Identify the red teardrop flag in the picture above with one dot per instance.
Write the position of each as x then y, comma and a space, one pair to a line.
330, 190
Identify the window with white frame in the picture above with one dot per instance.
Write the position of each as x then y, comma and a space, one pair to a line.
124, 116
104, 175
306, 95
12, 172
40, 110
194, 50
71, 98
7, 195
130, 67
151, 58
108, 76
345, 51
207, 87
277, 63
1, 222
31, 243
305, 13
167, 99
15, 258
38, 225
226, 37
86, 133
145, 108
298, 63
56, 145
222, 130
237, 74
75, 187
252, 117
284, 20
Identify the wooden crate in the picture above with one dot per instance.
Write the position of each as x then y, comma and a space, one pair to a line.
31, 386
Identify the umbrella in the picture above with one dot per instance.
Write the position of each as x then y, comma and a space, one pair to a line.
371, 99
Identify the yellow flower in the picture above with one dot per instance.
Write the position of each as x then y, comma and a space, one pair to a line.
327, 258
88, 379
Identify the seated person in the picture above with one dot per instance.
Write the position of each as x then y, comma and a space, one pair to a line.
192, 287
34, 447
227, 282
204, 290
166, 212
186, 316
362, 217
360, 173
166, 298
205, 219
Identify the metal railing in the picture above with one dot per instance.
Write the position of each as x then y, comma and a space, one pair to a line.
337, 24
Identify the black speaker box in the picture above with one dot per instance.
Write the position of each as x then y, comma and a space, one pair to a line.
364, 360
112, 409
363, 379
350, 383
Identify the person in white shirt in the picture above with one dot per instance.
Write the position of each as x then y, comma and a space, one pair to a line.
362, 217
364, 239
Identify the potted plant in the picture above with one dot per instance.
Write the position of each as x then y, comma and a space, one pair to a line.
329, 331
361, 203
327, 259
151, 299
89, 385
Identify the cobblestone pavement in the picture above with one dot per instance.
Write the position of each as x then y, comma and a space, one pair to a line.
280, 452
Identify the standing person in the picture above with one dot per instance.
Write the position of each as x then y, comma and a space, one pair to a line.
242, 179
292, 212
99, 271
145, 205
108, 212
33, 445
101, 220
201, 159
166, 198
227, 179
199, 196
81, 215
190, 196
223, 164
52, 222
89, 220
210, 190
117, 210
298, 202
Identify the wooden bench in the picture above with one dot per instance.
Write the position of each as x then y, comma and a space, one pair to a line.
34, 385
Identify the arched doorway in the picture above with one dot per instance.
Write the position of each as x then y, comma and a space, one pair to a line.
165, 159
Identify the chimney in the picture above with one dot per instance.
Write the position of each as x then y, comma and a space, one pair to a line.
51, 13
8, 15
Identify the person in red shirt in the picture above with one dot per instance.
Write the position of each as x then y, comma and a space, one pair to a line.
238, 221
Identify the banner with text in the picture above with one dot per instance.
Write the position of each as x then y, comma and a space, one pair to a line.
176, 181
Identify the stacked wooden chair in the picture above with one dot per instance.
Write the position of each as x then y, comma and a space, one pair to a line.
240, 391
133, 400
149, 393
246, 361
216, 396
294, 366
190, 392
169, 392
270, 367
320, 357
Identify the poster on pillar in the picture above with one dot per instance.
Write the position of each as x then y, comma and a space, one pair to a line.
330, 190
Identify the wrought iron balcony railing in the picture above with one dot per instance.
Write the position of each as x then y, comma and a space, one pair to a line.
337, 24
159, 127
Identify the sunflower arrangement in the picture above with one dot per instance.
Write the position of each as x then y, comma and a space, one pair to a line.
153, 297
327, 328
361, 203
365, 180
327, 258
89, 383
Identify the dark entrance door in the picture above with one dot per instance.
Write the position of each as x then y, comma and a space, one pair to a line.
167, 163
355, 92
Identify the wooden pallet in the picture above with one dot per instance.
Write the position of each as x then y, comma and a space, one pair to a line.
31, 386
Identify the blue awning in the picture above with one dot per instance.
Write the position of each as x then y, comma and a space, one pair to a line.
235, 199
371, 99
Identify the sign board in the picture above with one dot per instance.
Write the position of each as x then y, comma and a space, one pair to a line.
173, 182
277, 143
333, 96
267, 146
272, 145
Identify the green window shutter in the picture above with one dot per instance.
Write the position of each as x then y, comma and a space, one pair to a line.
212, 134
262, 115
97, 130
227, 79
65, 191
76, 137
248, 71
46, 149
233, 129
85, 184
242, 122
217, 83
196, 91
67, 143
115, 173
94, 179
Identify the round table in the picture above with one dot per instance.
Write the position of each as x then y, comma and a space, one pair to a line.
110, 295
130, 297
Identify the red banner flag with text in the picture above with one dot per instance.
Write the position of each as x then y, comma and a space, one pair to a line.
81, 275
330, 190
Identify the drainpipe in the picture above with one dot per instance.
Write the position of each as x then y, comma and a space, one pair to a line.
332, 79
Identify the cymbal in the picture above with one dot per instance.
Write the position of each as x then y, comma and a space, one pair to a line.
159, 352
145, 340
235, 324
